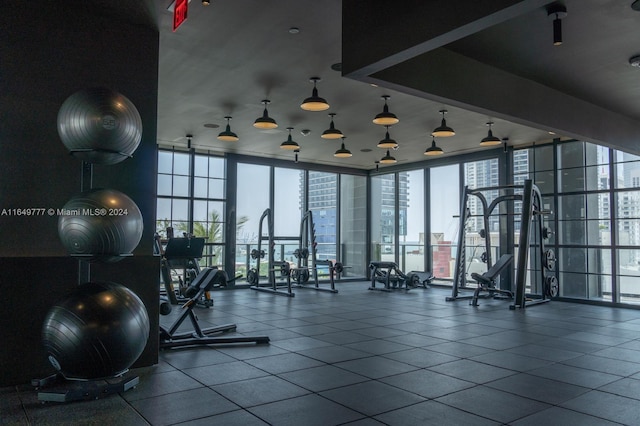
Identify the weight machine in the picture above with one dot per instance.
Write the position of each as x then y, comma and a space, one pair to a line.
253, 276
392, 278
486, 283
305, 268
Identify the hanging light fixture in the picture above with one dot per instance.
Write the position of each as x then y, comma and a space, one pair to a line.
377, 165
490, 140
332, 132
443, 131
205, 2
557, 12
265, 122
388, 159
342, 152
314, 102
227, 135
386, 118
290, 144
433, 150
387, 142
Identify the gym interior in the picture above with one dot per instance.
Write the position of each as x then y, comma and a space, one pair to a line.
154, 275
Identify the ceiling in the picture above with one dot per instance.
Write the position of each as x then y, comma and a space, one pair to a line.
497, 65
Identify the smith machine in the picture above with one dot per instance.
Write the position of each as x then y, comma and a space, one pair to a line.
307, 261
533, 234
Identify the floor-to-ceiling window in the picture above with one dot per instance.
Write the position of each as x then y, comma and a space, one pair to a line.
444, 193
191, 199
412, 220
383, 217
353, 225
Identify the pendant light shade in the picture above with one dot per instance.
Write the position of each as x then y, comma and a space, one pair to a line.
490, 140
388, 159
342, 152
443, 131
386, 118
332, 132
387, 142
433, 150
314, 102
265, 122
227, 135
290, 144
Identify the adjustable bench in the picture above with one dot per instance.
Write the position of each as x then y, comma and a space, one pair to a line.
487, 281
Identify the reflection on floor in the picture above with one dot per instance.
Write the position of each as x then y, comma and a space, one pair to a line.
363, 357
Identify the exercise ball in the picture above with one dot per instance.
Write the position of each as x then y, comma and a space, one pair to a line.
97, 331
100, 225
99, 126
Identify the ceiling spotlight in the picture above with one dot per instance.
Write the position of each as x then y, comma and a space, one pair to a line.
332, 132
386, 118
342, 152
634, 61
557, 12
490, 140
377, 165
387, 142
388, 159
314, 102
265, 122
443, 131
227, 135
290, 144
433, 150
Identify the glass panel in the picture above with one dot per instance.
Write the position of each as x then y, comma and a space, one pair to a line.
181, 163
216, 188
573, 285
253, 199
571, 180
163, 216
627, 174
412, 217
596, 155
201, 166
200, 187
165, 162
597, 177
572, 232
628, 231
628, 275
200, 211
323, 189
444, 193
164, 184
383, 218
544, 181
288, 201
353, 225
542, 158
181, 186
572, 206
571, 154
621, 156
180, 212
217, 166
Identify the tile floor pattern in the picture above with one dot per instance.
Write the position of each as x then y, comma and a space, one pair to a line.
364, 357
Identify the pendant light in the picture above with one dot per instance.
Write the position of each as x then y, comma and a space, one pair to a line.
386, 118
265, 122
387, 142
443, 131
342, 152
290, 144
388, 159
227, 135
490, 140
433, 150
314, 102
332, 132
557, 12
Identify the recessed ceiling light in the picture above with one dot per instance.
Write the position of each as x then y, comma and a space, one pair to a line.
366, 150
551, 133
634, 61
294, 30
211, 126
636, 5
337, 66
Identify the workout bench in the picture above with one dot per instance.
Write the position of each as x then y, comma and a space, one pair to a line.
487, 281
389, 274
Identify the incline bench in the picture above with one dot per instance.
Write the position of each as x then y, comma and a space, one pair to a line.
487, 281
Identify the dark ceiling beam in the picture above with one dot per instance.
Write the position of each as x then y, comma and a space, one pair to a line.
375, 38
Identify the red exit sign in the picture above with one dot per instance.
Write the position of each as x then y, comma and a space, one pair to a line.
180, 13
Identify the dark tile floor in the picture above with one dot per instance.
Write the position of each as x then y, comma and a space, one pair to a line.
361, 357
